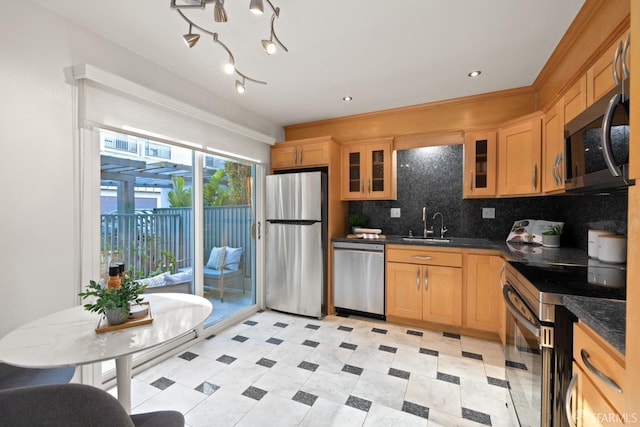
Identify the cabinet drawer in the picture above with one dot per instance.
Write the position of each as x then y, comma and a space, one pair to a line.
425, 257
603, 358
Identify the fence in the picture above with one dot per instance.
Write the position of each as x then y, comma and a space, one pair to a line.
154, 242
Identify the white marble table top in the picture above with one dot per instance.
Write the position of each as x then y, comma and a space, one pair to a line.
68, 337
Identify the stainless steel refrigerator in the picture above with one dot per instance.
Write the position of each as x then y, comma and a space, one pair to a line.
296, 236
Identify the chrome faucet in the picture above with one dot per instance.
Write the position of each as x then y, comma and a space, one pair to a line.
442, 228
424, 222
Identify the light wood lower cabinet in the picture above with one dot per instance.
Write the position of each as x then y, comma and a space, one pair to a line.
483, 295
589, 408
599, 375
424, 285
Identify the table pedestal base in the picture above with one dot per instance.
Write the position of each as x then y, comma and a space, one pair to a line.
123, 377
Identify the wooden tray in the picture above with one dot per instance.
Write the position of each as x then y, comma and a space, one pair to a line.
104, 326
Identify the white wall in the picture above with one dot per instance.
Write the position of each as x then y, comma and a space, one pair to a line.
38, 230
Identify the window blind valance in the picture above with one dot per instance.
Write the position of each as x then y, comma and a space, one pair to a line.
111, 102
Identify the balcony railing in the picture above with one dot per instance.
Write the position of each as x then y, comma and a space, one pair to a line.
150, 243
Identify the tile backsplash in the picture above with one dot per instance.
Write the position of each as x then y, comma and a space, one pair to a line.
431, 177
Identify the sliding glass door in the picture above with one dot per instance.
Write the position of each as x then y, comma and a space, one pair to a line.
148, 193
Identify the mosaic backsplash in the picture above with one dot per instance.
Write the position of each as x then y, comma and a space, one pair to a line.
431, 177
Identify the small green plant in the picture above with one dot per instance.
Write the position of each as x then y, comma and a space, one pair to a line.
554, 230
357, 220
113, 298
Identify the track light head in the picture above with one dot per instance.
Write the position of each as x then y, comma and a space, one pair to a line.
228, 67
219, 14
269, 46
191, 39
257, 7
240, 86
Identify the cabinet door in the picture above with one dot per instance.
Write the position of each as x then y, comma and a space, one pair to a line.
353, 172
283, 156
519, 149
600, 74
313, 154
404, 290
378, 161
589, 407
574, 100
480, 161
442, 299
483, 292
553, 151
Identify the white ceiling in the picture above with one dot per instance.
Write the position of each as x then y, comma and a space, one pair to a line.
385, 54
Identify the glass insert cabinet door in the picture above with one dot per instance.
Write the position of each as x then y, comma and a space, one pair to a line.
480, 164
367, 168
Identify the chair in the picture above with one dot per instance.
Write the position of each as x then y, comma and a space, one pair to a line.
14, 376
230, 273
74, 405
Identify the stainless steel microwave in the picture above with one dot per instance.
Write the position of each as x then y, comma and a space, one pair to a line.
597, 146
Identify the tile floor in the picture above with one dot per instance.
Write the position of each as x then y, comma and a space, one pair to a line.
277, 369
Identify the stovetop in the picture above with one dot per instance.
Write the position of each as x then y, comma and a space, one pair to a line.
595, 281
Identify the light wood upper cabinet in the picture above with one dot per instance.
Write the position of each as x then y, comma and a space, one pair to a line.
423, 284
480, 164
553, 150
301, 154
483, 293
519, 153
369, 170
600, 74
574, 100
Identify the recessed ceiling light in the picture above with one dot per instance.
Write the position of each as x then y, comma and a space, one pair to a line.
347, 98
475, 73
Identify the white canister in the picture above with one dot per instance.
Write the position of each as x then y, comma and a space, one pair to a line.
612, 248
593, 240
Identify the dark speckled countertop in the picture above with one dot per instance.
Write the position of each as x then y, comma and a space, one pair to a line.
606, 317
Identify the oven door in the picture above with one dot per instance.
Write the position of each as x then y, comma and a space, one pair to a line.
528, 363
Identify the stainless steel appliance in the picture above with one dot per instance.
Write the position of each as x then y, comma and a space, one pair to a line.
358, 278
539, 341
296, 235
597, 140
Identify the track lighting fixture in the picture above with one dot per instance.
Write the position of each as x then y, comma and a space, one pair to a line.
191, 39
240, 86
220, 16
257, 7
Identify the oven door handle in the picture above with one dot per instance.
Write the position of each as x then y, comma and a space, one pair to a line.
533, 326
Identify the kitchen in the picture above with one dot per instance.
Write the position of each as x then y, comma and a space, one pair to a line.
430, 167
516, 104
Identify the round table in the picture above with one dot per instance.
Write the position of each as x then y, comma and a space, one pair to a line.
68, 337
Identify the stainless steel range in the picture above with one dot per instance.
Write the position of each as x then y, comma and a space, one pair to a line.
539, 339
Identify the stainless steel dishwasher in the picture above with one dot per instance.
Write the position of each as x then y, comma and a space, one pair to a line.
358, 278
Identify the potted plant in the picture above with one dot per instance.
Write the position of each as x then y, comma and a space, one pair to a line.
114, 303
551, 237
357, 220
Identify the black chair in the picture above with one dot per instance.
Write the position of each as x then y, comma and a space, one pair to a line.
14, 376
74, 405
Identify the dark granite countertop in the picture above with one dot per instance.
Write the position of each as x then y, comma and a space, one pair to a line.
606, 317
515, 252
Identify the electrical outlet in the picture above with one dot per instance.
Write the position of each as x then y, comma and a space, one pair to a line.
489, 213
395, 212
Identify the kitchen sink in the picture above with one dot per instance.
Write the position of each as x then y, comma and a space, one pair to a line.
426, 239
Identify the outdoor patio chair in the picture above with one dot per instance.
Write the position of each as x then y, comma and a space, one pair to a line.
229, 272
